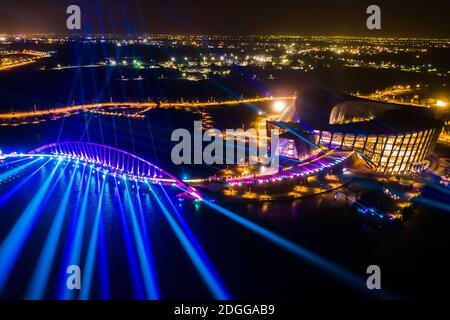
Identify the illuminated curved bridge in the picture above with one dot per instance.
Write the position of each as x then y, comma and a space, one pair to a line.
111, 161
72, 228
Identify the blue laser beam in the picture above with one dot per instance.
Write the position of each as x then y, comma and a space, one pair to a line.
190, 235
41, 274
147, 243
104, 271
432, 203
62, 277
209, 279
146, 268
306, 255
77, 242
15, 240
132, 259
8, 163
90, 258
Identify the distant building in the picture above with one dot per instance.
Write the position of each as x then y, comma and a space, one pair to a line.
392, 139
295, 141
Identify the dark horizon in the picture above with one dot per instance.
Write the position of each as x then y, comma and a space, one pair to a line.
185, 34
418, 19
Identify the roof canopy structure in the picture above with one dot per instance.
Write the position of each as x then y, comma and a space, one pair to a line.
325, 110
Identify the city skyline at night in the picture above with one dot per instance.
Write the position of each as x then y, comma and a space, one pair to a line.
424, 19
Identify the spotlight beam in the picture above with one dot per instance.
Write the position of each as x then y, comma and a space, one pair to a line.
306, 255
131, 254
5, 198
104, 275
195, 243
41, 274
16, 170
215, 288
144, 261
146, 239
8, 163
15, 240
77, 241
90, 258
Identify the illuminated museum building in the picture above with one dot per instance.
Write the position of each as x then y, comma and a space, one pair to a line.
392, 139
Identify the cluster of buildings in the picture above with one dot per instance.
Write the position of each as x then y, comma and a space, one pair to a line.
392, 139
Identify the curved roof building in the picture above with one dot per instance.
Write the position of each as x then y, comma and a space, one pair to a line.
393, 139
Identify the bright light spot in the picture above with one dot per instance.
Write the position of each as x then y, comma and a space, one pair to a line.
441, 103
279, 106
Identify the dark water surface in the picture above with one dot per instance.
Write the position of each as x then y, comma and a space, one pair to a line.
248, 265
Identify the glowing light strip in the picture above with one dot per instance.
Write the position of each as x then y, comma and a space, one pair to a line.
283, 176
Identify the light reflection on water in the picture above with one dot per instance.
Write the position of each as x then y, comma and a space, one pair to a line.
249, 266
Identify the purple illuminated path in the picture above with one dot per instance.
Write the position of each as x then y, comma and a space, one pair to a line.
309, 167
120, 163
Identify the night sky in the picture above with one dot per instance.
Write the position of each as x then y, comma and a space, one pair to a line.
421, 18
